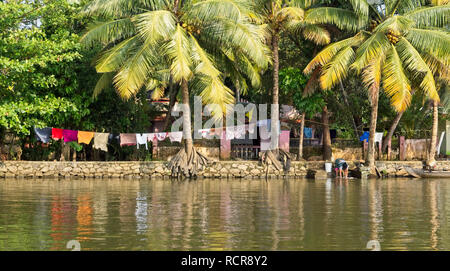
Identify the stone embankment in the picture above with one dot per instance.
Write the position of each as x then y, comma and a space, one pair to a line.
158, 169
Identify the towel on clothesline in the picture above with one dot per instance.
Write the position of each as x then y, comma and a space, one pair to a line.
70, 135
176, 136
364, 137
378, 137
127, 139
85, 137
57, 133
43, 134
101, 141
141, 139
307, 132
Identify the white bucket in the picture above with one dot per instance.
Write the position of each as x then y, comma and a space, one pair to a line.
328, 167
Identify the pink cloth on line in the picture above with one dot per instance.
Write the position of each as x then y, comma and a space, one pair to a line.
127, 139
70, 135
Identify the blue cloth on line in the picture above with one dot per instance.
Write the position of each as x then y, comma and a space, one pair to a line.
365, 136
307, 132
43, 134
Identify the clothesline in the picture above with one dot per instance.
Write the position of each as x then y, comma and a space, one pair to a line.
100, 140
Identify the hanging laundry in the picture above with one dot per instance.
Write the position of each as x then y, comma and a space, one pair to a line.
176, 136
151, 137
57, 133
205, 133
333, 134
85, 137
378, 137
70, 135
161, 136
251, 128
43, 134
364, 137
141, 139
229, 132
113, 138
100, 141
307, 132
127, 139
239, 132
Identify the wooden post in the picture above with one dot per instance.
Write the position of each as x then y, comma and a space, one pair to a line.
402, 150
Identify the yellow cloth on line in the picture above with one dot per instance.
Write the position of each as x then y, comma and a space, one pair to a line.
85, 137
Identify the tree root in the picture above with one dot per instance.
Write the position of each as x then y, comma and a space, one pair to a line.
280, 159
182, 165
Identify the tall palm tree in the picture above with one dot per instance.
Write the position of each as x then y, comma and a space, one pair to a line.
148, 43
396, 50
305, 18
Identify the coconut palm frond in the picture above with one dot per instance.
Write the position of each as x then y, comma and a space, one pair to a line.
373, 47
108, 32
328, 52
155, 25
102, 83
395, 83
178, 50
432, 41
437, 16
337, 69
316, 34
112, 59
341, 18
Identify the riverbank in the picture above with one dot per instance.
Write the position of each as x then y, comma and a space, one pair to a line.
158, 169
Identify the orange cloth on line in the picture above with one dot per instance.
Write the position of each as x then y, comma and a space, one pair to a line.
85, 137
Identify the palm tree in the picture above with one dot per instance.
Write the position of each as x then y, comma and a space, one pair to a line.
301, 17
396, 50
149, 43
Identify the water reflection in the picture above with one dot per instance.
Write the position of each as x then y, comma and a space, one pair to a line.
224, 214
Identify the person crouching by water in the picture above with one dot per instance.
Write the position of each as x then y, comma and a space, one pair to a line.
342, 167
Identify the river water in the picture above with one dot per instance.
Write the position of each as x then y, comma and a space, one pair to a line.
401, 214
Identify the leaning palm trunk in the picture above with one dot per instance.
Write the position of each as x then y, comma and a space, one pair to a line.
431, 160
392, 130
326, 135
187, 161
374, 93
300, 140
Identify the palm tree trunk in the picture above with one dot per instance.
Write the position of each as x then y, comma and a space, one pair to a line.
374, 93
300, 140
188, 143
172, 99
275, 115
434, 132
326, 135
392, 130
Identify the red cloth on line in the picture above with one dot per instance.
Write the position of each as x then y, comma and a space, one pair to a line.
57, 134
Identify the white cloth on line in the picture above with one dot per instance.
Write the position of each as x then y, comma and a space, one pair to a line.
378, 137
175, 136
141, 139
